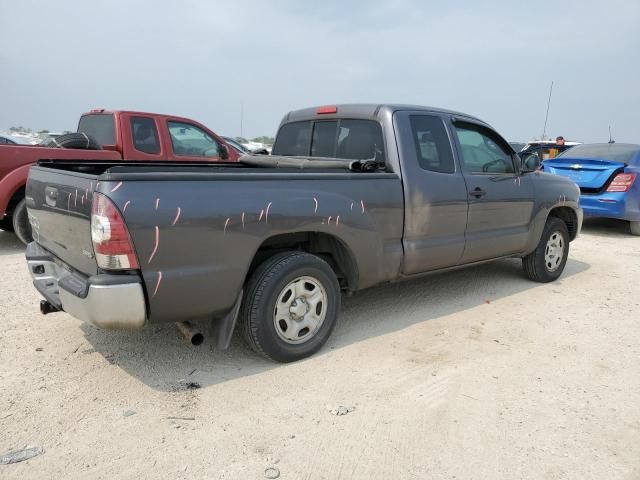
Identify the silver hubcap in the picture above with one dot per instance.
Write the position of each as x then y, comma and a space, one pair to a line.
554, 251
300, 310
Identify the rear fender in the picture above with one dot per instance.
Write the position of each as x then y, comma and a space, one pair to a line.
10, 184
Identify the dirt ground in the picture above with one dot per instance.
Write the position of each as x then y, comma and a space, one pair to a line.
474, 374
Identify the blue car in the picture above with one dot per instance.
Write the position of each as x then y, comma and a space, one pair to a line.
608, 175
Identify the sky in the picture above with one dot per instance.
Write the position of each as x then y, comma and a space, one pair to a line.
212, 60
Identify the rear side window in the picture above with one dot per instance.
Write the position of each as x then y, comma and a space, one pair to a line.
100, 126
346, 138
145, 135
432, 145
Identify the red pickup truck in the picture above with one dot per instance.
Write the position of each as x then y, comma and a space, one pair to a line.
110, 135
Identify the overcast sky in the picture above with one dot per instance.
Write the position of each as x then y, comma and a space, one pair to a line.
204, 59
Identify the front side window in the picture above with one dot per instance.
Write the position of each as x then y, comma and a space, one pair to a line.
189, 140
145, 135
482, 152
432, 145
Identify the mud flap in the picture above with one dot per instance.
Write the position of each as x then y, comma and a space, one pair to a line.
222, 330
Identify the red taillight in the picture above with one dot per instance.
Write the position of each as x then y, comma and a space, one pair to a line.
622, 182
111, 241
325, 110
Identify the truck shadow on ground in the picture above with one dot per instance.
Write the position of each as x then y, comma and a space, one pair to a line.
9, 243
160, 358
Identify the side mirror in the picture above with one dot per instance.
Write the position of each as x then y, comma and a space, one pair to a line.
531, 162
223, 153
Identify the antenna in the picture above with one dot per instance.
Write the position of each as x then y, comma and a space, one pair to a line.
544, 130
611, 140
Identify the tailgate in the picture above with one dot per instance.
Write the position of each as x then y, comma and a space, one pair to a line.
59, 205
589, 174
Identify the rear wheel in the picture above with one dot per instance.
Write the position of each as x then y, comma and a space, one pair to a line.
635, 228
291, 306
6, 224
547, 261
21, 224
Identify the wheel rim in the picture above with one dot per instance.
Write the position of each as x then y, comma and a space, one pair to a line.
300, 310
554, 252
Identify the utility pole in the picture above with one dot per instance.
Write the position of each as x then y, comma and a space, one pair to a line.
544, 130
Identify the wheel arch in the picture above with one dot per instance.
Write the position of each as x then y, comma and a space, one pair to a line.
569, 217
329, 247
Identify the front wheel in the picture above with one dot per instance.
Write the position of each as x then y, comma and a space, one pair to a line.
291, 306
546, 263
21, 225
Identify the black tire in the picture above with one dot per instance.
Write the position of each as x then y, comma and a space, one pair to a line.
261, 296
535, 265
21, 225
6, 224
75, 140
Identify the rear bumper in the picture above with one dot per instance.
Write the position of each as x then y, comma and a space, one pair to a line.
611, 205
114, 302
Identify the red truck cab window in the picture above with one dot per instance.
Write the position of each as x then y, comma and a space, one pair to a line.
145, 135
189, 140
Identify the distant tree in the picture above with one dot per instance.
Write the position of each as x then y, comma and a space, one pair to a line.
241, 140
67, 131
43, 132
264, 139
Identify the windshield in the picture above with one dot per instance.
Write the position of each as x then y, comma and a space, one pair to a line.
604, 151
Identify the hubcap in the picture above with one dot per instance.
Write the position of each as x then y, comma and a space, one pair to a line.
554, 251
300, 310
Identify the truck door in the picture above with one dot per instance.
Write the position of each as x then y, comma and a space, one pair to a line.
500, 199
435, 194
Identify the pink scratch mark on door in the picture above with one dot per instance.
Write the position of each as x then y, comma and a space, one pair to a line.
315, 208
175, 220
158, 283
114, 188
266, 216
226, 224
124, 209
261, 214
157, 203
362, 206
155, 248
242, 218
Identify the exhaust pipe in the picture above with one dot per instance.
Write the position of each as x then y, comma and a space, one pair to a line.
46, 307
190, 333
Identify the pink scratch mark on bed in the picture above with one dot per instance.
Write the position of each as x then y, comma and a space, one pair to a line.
362, 206
97, 185
158, 283
157, 203
75, 199
338, 220
155, 248
226, 224
329, 220
124, 209
351, 208
69, 201
175, 220
266, 216
261, 214
242, 218
82, 199
315, 208
115, 188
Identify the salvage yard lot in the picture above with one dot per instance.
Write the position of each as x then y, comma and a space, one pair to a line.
474, 374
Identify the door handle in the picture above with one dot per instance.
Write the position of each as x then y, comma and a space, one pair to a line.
477, 192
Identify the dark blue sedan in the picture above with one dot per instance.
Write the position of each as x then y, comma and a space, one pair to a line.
608, 177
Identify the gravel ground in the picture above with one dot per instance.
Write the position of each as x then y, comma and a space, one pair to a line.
475, 374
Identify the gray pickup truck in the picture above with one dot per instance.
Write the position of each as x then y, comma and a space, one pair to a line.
353, 196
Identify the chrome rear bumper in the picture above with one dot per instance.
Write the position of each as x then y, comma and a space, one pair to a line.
106, 301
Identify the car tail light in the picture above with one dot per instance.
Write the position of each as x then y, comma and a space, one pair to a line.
622, 182
111, 241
